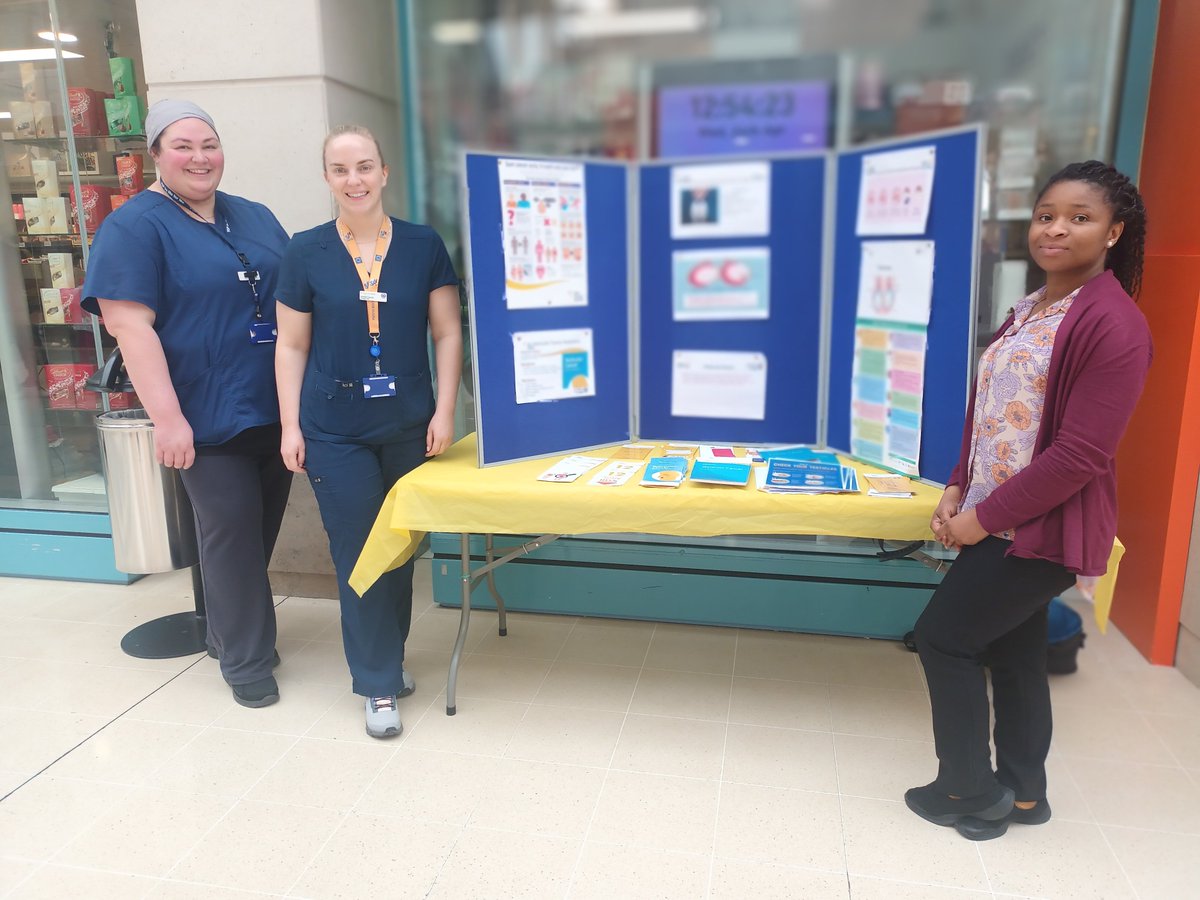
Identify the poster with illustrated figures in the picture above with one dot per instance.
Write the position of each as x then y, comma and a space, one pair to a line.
544, 233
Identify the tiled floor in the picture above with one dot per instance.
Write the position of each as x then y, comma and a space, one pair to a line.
589, 758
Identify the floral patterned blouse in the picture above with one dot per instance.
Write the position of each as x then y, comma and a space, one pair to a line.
1009, 396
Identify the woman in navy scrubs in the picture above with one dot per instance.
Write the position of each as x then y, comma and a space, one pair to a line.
357, 297
184, 276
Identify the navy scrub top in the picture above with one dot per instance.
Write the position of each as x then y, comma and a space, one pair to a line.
151, 252
320, 278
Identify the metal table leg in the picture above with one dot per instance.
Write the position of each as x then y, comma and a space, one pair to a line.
468, 580
491, 583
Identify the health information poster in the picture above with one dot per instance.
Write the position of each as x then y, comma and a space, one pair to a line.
895, 291
721, 283
718, 384
544, 232
893, 195
553, 365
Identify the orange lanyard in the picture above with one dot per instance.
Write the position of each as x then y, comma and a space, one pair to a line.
369, 276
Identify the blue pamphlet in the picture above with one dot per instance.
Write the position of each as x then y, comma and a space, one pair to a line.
787, 476
665, 471
807, 454
734, 473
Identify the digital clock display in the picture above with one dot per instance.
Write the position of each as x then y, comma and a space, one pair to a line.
700, 120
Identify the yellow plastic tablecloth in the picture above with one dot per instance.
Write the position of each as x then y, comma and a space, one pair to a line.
451, 493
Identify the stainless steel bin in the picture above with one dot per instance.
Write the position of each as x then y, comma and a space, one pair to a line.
152, 525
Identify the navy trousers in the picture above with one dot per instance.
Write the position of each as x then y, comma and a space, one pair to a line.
990, 610
239, 500
350, 482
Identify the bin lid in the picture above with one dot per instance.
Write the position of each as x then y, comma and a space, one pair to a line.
124, 418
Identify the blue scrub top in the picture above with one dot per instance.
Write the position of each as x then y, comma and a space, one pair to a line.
320, 278
151, 252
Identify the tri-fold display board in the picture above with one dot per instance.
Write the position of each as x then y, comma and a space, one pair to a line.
823, 298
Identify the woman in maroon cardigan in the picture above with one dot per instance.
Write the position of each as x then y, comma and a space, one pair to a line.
1032, 503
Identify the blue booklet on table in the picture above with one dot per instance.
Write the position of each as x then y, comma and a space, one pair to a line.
793, 476
804, 454
709, 472
665, 471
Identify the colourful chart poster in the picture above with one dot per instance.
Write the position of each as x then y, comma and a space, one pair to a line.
721, 283
544, 233
893, 195
553, 365
887, 392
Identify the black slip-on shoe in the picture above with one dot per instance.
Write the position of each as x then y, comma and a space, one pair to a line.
936, 807
976, 829
254, 694
275, 660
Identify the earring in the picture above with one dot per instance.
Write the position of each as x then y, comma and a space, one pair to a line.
1110, 243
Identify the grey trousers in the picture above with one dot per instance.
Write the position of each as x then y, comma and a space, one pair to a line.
239, 500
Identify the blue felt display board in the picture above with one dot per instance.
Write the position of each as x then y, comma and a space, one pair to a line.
790, 338
508, 430
953, 226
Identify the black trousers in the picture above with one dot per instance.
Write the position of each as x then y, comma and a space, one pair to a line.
239, 500
990, 610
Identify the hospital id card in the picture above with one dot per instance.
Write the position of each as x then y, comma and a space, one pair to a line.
378, 386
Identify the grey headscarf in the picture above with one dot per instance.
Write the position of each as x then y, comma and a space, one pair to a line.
165, 113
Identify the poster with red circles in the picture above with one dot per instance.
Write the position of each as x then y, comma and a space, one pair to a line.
894, 192
721, 283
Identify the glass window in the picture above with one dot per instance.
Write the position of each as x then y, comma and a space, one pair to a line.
71, 112
598, 77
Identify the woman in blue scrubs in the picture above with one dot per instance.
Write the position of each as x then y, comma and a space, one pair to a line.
184, 276
357, 297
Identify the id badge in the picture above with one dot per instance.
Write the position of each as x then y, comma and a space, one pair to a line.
263, 332
378, 386
368, 296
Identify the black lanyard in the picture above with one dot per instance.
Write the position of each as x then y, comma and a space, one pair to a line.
248, 274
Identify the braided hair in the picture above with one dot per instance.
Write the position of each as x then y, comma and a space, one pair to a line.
1123, 199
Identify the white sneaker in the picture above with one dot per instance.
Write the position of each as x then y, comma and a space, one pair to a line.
409, 684
383, 718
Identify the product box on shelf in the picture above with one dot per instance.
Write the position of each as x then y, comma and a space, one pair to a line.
23, 124
62, 269
86, 111
33, 214
129, 173
125, 400
46, 215
121, 68
60, 385
94, 206
85, 399
18, 161
116, 200
33, 82
125, 115
43, 119
52, 311
92, 162
45, 177
70, 300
